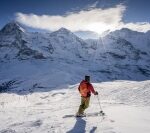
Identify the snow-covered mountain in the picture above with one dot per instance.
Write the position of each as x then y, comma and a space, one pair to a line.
29, 57
14, 45
18, 43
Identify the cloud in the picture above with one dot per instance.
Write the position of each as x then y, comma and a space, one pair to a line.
93, 19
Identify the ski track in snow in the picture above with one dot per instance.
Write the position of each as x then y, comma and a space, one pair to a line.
125, 103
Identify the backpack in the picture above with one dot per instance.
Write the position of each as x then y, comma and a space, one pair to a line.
83, 89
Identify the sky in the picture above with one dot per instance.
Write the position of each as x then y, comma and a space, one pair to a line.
75, 15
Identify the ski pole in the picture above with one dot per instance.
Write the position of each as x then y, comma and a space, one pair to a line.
101, 111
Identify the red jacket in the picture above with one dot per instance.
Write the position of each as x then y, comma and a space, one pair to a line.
85, 89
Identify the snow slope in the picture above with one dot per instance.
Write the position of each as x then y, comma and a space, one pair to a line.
125, 103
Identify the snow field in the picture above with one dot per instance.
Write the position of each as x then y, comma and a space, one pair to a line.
45, 112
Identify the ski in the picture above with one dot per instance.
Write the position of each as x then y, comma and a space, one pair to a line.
94, 114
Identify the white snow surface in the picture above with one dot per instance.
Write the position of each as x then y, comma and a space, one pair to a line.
125, 103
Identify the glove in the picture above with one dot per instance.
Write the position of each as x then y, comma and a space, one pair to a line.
96, 93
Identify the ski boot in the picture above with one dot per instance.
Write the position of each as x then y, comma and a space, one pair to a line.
80, 114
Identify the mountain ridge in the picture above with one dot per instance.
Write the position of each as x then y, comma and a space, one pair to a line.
63, 54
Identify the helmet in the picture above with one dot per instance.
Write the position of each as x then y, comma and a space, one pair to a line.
87, 78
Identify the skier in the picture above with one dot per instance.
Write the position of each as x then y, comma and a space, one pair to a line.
85, 88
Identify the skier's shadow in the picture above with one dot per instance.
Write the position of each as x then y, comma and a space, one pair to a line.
79, 127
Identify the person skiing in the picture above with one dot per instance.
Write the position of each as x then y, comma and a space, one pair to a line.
85, 88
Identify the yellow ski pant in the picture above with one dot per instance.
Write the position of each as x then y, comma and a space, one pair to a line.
84, 104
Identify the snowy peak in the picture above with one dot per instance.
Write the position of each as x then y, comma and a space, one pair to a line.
62, 32
12, 28
125, 32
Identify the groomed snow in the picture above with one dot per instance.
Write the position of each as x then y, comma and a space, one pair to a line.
126, 104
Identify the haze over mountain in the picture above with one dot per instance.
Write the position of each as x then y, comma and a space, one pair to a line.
87, 34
